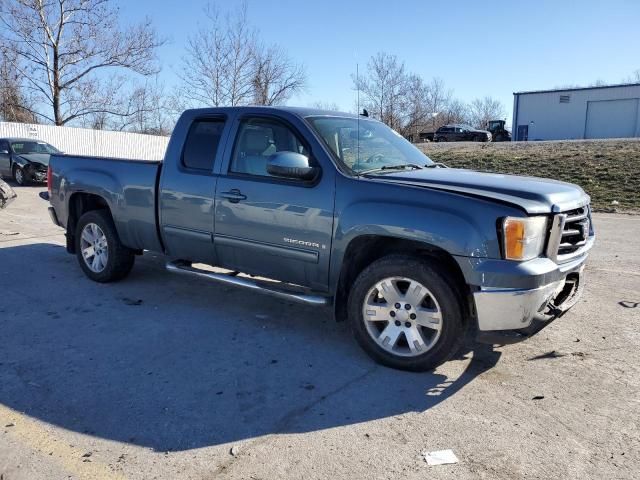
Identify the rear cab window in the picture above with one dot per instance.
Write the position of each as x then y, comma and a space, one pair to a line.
202, 143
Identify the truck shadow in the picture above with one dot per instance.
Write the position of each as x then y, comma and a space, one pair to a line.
174, 364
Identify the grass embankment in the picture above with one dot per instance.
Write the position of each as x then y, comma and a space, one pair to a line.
608, 170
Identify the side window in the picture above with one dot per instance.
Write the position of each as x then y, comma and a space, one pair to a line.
4, 145
257, 140
202, 144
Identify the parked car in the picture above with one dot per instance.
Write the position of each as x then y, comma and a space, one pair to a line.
461, 133
7, 195
342, 211
25, 159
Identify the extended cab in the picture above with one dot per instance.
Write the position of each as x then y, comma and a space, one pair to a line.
340, 210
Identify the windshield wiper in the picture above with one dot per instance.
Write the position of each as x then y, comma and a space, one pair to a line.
436, 165
392, 167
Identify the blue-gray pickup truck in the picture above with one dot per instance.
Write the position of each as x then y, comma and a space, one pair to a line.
336, 209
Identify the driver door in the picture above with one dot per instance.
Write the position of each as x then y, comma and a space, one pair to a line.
270, 226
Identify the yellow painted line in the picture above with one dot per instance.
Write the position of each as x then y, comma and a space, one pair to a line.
34, 435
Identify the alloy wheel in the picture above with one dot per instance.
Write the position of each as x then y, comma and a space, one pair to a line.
94, 246
402, 316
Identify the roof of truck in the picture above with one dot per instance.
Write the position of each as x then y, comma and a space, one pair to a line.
299, 111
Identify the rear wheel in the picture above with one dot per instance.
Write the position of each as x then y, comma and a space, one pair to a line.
100, 253
405, 313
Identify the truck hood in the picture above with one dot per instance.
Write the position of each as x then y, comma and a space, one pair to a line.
41, 158
534, 195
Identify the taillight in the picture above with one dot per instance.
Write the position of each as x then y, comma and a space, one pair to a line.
49, 180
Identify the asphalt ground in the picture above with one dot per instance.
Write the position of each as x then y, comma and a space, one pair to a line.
162, 376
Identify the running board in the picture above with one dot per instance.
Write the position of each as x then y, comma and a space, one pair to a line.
184, 269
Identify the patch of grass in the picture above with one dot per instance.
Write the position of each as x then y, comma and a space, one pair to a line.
608, 170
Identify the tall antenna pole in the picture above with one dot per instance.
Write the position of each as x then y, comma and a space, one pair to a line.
358, 113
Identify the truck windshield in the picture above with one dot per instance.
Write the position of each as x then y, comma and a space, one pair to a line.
366, 145
33, 147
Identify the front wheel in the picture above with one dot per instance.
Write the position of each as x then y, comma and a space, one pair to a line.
19, 176
101, 255
405, 313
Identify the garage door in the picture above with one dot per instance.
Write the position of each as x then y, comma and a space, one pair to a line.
612, 119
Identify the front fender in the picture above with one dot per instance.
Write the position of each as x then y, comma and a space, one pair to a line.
456, 233
21, 162
460, 225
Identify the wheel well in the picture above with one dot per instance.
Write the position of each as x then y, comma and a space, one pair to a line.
79, 204
366, 249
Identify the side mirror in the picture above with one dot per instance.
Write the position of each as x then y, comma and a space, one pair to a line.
4, 152
290, 165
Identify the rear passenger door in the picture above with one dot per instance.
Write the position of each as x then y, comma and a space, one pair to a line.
270, 226
187, 190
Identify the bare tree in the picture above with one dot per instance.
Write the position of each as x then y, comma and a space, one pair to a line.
67, 49
438, 98
240, 55
455, 112
275, 78
633, 78
384, 86
226, 65
150, 105
14, 105
481, 110
416, 107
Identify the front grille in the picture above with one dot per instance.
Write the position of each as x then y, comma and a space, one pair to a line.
570, 234
575, 232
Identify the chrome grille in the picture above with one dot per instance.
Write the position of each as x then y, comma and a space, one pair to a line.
570, 234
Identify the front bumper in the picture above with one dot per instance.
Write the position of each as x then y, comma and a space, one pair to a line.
539, 292
511, 315
39, 176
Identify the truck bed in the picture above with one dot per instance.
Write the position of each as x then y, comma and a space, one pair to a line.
128, 186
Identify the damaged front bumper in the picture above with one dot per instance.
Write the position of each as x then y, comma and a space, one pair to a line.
512, 315
541, 291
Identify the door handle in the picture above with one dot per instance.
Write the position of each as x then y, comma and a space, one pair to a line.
234, 195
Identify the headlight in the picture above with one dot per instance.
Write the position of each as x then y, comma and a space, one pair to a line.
523, 238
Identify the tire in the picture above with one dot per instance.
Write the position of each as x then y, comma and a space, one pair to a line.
114, 261
19, 176
441, 340
442, 139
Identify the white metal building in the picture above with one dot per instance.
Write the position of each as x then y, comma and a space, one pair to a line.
611, 111
84, 141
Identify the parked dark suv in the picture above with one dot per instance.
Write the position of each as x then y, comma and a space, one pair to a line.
461, 133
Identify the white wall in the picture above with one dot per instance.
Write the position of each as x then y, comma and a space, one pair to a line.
83, 141
548, 119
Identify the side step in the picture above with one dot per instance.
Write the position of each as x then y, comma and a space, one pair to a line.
185, 269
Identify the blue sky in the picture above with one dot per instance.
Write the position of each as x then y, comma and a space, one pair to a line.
477, 48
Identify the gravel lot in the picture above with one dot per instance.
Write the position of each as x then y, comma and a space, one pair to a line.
162, 376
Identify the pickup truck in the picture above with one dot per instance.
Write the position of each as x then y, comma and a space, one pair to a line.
337, 210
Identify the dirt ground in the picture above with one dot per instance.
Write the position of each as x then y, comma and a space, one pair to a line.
161, 376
